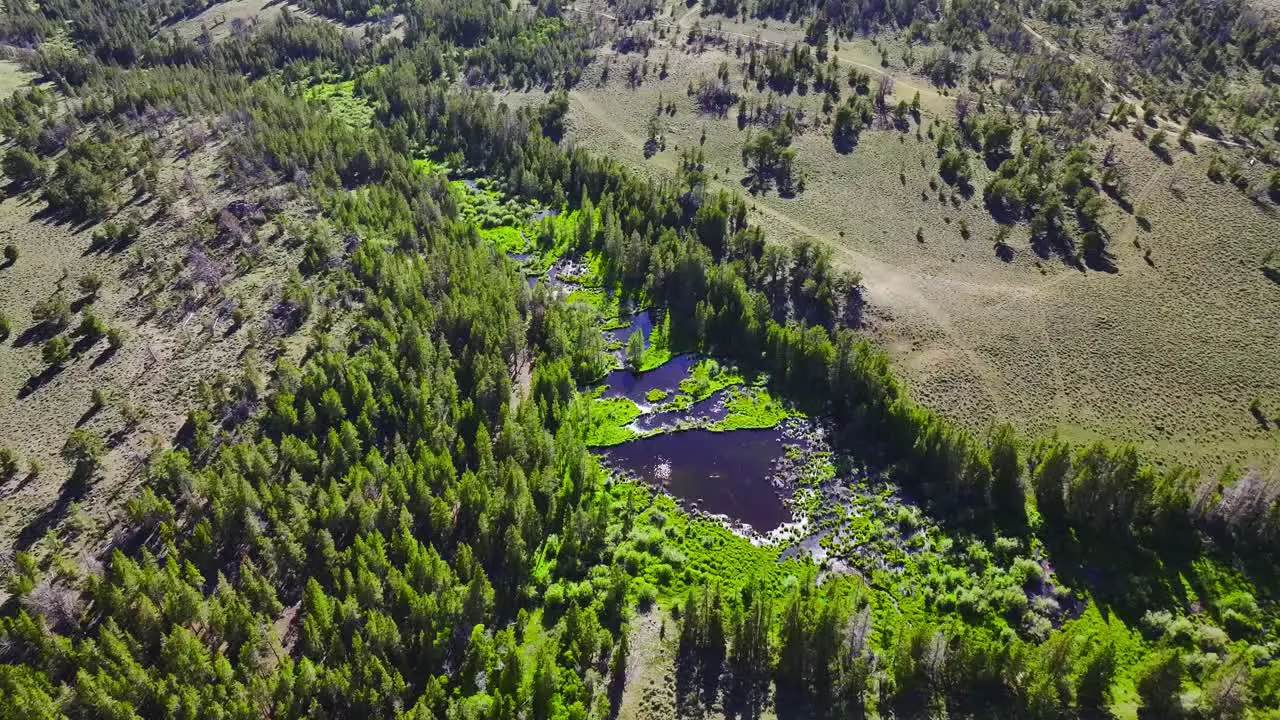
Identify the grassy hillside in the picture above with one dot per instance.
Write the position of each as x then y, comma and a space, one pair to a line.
1165, 352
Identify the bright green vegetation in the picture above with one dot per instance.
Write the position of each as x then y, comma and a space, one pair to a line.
645, 354
607, 420
674, 552
481, 202
505, 238
751, 408
341, 101
656, 395
597, 299
407, 522
677, 403
707, 378
554, 235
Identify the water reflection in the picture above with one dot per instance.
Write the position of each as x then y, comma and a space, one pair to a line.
724, 473
642, 321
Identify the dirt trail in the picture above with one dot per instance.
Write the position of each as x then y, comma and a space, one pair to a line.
887, 284
1133, 100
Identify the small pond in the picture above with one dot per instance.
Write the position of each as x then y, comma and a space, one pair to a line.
624, 383
723, 473
709, 410
642, 321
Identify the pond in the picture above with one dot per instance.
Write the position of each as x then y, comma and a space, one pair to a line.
624, 383
642, 321
710, 410
723, 473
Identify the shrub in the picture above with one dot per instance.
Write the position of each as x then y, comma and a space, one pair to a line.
5, 327
54, 311
8, 464
22, 166
90, 284
11, 254
954, 167
1025, 572
99, 397
646, 595
554, 597
84, 450
56, 352
92, 326
115, 337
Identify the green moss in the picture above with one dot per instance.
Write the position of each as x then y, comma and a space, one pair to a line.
342, 102
752, 408
709, 377
656, 395
608, 420
505, 238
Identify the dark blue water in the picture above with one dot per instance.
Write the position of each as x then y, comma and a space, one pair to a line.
724, 473
624, 383
642, 321
709, 410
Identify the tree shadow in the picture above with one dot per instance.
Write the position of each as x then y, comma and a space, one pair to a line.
35, 382
1119, 199
103, 357
37, 333
103, 244
22, 483
88, 414
845, 143
72, 490
745, 698
1004, 251
83, 344
1120, 578
1272, 274
49, 215
1100, 260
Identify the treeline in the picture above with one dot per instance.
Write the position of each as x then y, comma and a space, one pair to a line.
816, 647
115, 31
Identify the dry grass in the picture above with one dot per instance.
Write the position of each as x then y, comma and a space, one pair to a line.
219, 19
1167, 356
12, 77
650, 690
157, 370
